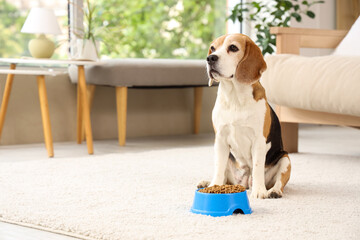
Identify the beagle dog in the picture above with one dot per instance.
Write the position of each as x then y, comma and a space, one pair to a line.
248, 144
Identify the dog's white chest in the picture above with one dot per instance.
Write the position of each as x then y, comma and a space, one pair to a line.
238, 119
240, 141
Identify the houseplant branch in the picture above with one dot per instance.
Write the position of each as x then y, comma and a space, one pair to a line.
271, 13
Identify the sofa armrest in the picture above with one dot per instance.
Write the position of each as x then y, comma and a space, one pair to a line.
290, 40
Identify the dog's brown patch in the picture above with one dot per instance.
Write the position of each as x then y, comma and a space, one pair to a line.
267, 122
258, 91
258, 94
286, 175
216, 43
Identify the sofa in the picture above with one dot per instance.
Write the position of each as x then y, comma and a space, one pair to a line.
314, 90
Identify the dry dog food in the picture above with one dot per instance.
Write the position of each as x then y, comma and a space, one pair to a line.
223, 189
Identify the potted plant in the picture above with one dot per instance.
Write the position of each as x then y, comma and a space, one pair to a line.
272, 13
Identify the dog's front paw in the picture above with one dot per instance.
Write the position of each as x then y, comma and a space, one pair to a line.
274, 193
259, 192
203, 184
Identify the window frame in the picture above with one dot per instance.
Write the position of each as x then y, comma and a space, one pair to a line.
75, 21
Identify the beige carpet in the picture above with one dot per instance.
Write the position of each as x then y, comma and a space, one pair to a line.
148, 195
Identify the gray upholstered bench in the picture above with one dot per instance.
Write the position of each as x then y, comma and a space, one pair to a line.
147, 73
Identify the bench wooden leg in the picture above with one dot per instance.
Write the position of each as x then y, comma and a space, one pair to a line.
90, 94
198, 92
6, 96
45, 115
121, 106
290, 136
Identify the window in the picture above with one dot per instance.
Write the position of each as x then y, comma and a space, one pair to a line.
127, 29
13, 13
158, 28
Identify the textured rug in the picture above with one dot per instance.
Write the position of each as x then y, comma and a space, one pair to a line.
148, 195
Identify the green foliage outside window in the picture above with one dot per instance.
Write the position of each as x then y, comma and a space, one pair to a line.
12, 41
159, 28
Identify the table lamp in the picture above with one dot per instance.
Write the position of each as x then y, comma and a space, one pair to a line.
41, 21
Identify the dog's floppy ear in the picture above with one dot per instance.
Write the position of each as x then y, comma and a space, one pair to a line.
211, 81
252, 65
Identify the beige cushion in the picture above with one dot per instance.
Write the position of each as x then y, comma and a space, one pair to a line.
146, 73
326, 84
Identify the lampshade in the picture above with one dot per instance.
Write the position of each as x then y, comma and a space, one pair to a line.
41, 20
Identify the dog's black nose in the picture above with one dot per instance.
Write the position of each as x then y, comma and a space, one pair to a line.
211, 59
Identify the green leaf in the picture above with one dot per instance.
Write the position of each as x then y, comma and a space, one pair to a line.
263, 52
269, 49
296, 7
286, 21
232, 17
315, 2
278, 13
310, 14
273, 40
265, 43
255, 4
259, 36
305, 2
267, 32
288, 5
296, 16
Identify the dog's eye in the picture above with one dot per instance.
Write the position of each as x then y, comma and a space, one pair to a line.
212, 49
233, 48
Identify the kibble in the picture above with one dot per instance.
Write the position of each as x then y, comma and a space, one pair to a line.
223, 189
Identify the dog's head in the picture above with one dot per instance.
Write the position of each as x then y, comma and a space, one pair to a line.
234, 56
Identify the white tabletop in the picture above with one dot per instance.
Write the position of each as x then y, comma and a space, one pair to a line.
46, 61
49, 72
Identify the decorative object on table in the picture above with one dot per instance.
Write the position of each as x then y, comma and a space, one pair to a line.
85, 49
41, 21
86, 46
273, 13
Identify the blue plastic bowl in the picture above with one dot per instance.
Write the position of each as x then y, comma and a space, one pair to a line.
218, 205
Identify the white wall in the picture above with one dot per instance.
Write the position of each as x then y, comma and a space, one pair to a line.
325, 18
